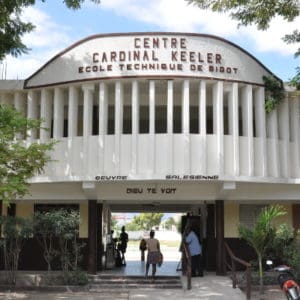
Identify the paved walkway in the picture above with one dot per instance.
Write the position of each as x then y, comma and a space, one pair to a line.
207, 287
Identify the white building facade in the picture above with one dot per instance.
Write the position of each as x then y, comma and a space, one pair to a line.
160, 122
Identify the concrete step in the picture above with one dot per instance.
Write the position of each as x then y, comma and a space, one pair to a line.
99, 282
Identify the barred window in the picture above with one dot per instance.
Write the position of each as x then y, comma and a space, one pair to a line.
249, 214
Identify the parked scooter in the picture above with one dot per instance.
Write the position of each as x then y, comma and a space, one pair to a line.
287, 281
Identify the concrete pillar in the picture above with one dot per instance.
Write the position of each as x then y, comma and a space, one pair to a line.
119, 99
185, 100
272, 129
233, 116
103, 113
151, 140
202, 125
218, 124
135, 127
220, 257
73, 112
260, 129
46, 114
58, 113
88, 99
247, 109
92, 237
170, 119
32, 112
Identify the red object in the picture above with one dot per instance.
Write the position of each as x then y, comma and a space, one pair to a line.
289, 284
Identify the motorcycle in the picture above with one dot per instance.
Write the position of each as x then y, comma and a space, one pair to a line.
287, 282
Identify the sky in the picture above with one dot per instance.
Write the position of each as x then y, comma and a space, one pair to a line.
58, 27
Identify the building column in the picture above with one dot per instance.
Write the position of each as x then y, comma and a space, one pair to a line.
247, 109
185, 100
103, 113
202, 125
151, 141
209, 258
135, 117
119, 99
233, 116
58, 113
220, 257
272, 128
295, 136
170, 107
295, 215
284, 134
88, 99
92, 237
32, 113
218, 124
73, 112
260, 129
46, 114
20, 106
20, 102
99, 245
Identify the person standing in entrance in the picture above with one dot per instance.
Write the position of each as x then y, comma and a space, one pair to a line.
195, 248
153, 247
143, 248
123, 244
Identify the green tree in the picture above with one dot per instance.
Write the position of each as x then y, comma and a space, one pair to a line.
15, 230
19, 161
44, 232
261, 236
66, 228
145, 221
259, 13
12, 28
170, 222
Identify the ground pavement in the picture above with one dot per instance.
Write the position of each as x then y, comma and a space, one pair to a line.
209, 287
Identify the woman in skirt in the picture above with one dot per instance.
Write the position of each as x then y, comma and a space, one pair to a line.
153, 253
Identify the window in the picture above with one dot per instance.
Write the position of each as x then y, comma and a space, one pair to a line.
249, 214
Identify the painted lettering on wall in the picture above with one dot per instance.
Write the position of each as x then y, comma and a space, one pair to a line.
163, 190
192, 177
146, 56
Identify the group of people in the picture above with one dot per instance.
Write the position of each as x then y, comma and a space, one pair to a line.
154, 256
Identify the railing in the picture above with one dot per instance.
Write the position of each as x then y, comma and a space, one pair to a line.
187, 264
232, 267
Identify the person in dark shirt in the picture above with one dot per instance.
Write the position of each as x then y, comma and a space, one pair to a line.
123, 240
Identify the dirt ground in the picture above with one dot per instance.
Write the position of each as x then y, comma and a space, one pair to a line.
270, 293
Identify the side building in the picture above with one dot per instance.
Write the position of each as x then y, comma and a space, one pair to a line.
170, 122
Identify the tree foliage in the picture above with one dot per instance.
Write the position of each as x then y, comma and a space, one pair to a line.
44, 231
259, 13
145, 221
12, 27
19, 161
261, 236
57, 232
274, 92
15, 230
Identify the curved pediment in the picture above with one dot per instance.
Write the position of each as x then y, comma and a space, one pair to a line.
149, 55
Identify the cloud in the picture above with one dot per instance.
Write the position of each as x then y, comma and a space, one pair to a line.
47, 33
51, 37
46, 40
177, 15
